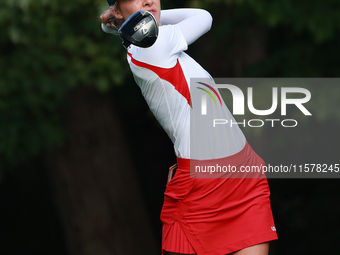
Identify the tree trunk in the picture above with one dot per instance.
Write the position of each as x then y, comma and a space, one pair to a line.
96, 190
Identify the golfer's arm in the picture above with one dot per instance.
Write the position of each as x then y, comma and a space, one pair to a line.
193, 23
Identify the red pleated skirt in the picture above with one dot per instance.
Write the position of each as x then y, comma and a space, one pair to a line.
217, 216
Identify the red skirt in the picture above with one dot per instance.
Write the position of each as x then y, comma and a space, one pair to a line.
217, 216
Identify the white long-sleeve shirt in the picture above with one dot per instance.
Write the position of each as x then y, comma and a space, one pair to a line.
163, 72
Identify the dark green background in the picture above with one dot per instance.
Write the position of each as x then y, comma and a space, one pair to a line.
49, 49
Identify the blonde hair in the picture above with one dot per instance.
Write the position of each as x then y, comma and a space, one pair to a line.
115, 6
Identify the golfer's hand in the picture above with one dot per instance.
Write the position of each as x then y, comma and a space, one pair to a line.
110, 20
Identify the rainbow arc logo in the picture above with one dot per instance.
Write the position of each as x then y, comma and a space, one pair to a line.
204, 96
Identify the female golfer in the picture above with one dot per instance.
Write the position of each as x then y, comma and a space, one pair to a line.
203, 216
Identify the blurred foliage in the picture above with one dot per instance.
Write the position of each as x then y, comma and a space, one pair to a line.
319, 18
50, 47
302, 36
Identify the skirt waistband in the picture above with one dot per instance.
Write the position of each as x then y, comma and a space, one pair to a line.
235, 159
